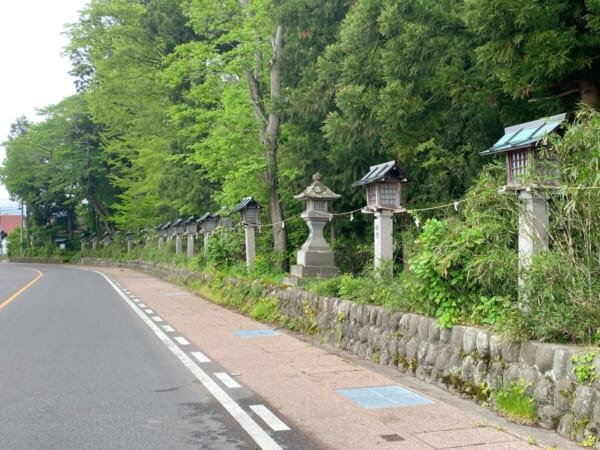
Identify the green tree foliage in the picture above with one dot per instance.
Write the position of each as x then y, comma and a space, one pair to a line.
120, 46
539, 50
407, 87
55, 165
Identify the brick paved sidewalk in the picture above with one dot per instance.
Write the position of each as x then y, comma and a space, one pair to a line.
304, 383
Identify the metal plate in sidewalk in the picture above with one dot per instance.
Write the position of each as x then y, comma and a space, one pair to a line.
383, 397
256, 333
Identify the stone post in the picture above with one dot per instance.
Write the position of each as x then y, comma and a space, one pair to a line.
533, 228
190, 245
250, 234
384, 240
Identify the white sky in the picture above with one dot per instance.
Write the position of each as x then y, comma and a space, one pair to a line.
33, 74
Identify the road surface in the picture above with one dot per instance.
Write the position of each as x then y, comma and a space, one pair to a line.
84, 366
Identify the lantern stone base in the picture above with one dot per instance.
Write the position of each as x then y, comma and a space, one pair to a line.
314, 271
315, 263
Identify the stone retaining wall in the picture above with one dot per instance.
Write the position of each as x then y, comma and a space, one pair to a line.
466, 360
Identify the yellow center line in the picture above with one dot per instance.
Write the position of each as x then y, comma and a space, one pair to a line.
23, 289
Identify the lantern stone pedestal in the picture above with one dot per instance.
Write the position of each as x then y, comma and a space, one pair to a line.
315, 259
533, 227
384, 241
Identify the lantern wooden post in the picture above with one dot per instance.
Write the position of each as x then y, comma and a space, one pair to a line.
525, 167
94, 238
383, 190
315, 258
248, 209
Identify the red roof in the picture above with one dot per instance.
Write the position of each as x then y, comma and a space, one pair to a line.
9, 223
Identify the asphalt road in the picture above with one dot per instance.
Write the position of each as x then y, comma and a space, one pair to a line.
80, 370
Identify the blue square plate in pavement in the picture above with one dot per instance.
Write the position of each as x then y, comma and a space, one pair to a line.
383, 397
255, 333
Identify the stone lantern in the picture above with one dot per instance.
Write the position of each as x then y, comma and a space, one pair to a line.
83, 240
207, 221
248, 209
94, 238
191, 230
223, 218
315, 259
160, 232
106, 238
169, 231
179, 230
525, 162
147, 236
383, 187
129, 237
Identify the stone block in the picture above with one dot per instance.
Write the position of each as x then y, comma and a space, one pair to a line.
458, 332
584, 402
511, 352
413, 324
422, 352
544, 357
483, 344
442, 361
528, 352
468, 368
565, 424
470, 340
561, 363
404, 324
445, 334
563, 395
543, 393
412, 349
495, 347
394, 321
548, 417
423, 328
434, 331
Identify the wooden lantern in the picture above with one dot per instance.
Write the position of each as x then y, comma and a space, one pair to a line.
383, 187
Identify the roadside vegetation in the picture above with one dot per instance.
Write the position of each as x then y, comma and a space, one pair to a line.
251, 98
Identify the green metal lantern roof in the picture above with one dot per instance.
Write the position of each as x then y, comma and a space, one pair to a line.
382, 172
525, 134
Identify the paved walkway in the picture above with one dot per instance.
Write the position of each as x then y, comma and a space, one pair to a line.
301, 379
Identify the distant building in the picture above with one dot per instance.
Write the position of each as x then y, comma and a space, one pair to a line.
9, 222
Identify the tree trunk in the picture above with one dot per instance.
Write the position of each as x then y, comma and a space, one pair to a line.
269, 134
588, 92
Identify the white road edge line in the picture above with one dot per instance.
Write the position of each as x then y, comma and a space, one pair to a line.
201, 357
227, 380
269, 418
259, 435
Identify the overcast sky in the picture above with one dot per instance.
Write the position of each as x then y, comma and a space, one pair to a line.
33, 74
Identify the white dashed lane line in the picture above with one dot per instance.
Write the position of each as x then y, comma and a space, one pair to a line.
200, 357
227, 380
269, 418
181, 340
168, 328
255, 431
157, 319
148, 311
